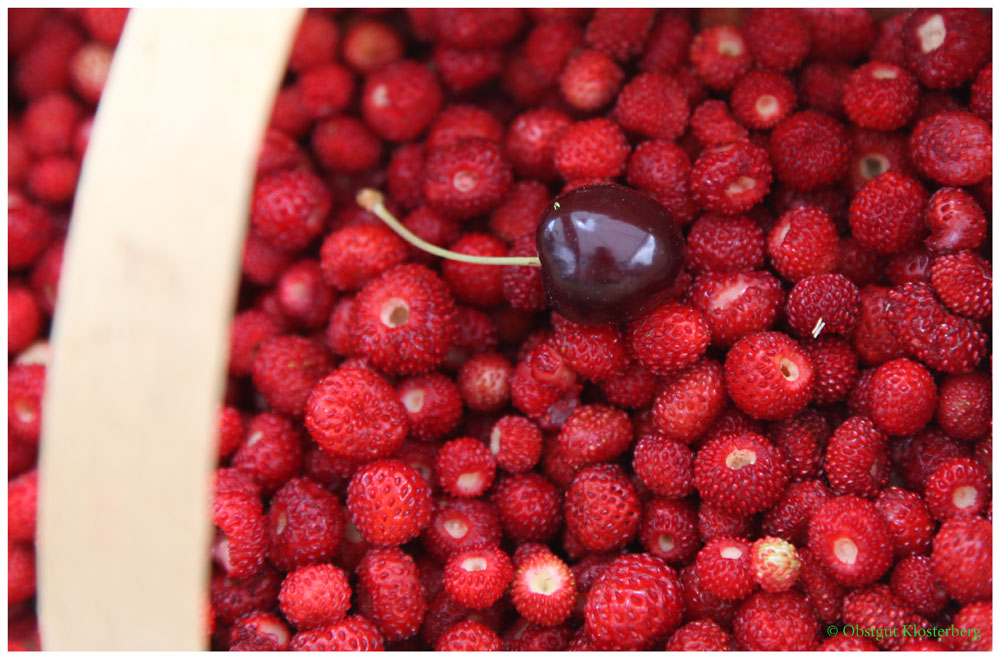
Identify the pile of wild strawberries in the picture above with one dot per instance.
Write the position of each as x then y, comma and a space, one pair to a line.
794, 453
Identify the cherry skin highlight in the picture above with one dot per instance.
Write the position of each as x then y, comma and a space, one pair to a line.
608, 253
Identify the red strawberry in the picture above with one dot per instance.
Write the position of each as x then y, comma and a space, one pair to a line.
652, 604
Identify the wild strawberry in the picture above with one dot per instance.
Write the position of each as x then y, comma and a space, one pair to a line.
354, 413
405, 175
742, 473
769, 376
516, 443
858, 263
777, 39
25, 385
465, 467
462, 122
668, 43
821, 86
602, 508
849, 537
959, 487
620, 33
944, 48
271, 452
288, 115
668, 339
593, 434
875, 153
913, 582
469, 636
881, 96
477, 28
484, 382
836, 366
315, 42
22, 507
699, 604
653, 105
977, 616
529, 507
263, 263
761, 99
981, 101
732, 178
404, 320
476, 577
369, 45
549, 45
876, 607
29, 231
911, 266
389, 502
315, 596
903, 397
531, 141
543, 589
776, 621
306, 524
690, 402
809, 150
590, 80
429, 225
908, 520
737, 303
233, 598
962, 557
873, 339
840, 34
241, 543
669, 530
433, 405
801, 440
723, 567
390, 592
591, 149
700, 636
303, 296
826, 302
52, 180
662, 169
459, 524
924, 328
964, 404
774, 563
856, 461
285, 370
887, 214
653, 608
633, 388
956, 221
24, 318
464, 71
400, 100
720, 56
963, 280
256, 632
345, 145
289, 208
713, 125
789, 518
517, 217
952, 148
717, 243
352, 634
467, 178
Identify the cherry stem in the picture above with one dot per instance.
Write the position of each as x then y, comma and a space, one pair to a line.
373, 202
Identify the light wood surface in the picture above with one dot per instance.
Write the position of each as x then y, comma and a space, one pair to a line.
141, 333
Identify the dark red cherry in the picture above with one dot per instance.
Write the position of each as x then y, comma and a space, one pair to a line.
608, 253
